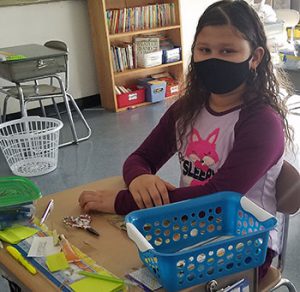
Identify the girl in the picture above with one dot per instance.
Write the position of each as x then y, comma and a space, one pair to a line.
228, 128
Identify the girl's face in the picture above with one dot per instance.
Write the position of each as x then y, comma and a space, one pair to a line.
221, 42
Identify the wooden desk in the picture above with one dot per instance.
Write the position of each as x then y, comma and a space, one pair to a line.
112, 250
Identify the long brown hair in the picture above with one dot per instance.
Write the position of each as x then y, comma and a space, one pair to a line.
264, 87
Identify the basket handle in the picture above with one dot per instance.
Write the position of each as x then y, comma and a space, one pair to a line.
138, 238
258, 212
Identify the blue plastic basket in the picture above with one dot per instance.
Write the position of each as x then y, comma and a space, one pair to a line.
194, 241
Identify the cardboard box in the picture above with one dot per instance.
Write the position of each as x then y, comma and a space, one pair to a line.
172, 55
151, 59
136, 96
172, 87
155, 89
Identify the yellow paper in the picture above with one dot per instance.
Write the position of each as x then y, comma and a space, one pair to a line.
17, 233
57, 262
95, 285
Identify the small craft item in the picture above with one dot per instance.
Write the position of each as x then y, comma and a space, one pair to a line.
117, 221
82, 221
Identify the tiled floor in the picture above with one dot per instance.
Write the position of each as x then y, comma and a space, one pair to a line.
114, 137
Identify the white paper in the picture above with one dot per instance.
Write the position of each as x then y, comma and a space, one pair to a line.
42, 247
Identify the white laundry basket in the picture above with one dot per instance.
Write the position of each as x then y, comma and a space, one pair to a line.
30, 145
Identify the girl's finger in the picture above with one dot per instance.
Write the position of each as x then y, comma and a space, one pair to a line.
163, 192
138, 199
146, 197
169, 186
155, 195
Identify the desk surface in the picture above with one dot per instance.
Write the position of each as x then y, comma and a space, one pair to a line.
31, 52
36, 61
112, 249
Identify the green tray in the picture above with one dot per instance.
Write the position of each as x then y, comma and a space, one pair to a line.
17, 190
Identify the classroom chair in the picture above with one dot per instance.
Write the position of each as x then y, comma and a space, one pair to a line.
288, 202
49, 87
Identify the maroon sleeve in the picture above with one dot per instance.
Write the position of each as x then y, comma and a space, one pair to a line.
155, 151
259, 143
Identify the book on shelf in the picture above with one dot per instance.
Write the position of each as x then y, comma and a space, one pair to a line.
140, 17
145, 51
122, 57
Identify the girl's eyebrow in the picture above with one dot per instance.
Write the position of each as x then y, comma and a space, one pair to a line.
202, 44
220, 44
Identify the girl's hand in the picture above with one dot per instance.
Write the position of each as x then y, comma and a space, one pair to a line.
150, 190
101, 201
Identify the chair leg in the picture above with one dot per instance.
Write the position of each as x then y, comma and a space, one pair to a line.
72, 125
43, 108
287, 283
81, 117
69, 113
56, 108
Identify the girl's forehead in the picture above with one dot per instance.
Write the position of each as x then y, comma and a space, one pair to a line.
220, 33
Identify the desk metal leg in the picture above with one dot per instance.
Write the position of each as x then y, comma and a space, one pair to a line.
5, 107
21, 100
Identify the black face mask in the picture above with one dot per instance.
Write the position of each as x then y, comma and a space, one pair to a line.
219, 76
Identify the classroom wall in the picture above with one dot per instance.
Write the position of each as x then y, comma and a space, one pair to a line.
191, 10
63, 20
68, 21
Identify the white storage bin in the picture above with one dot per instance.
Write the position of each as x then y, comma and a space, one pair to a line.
151, 59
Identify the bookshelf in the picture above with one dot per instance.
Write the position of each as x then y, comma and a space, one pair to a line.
103, 39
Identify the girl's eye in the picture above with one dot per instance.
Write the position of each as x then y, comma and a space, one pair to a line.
227, 51
204, 50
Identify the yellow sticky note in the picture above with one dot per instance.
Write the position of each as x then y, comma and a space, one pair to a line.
57, 262
17, 233
95, 285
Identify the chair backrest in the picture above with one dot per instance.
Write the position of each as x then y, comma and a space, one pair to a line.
288, 189
60, 45
288, 202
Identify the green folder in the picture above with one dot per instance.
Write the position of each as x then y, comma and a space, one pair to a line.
96, 285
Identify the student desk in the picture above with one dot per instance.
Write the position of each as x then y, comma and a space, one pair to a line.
36, 61
112, 249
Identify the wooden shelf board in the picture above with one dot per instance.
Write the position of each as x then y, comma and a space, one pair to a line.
141, 70
143, 104
144, 31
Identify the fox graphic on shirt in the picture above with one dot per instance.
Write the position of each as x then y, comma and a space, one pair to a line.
200, 156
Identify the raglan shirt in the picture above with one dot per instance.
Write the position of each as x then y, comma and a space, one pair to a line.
238, 150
